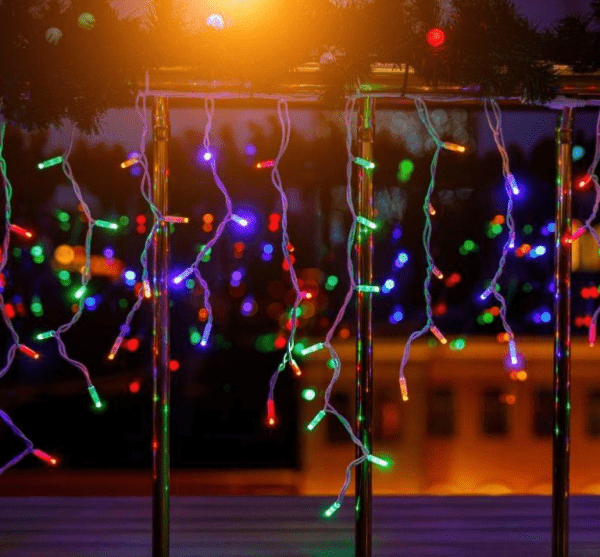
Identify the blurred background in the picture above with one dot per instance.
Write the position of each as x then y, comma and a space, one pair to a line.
472, 424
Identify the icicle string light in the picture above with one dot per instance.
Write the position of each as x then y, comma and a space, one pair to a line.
494, 120
8, 191
588, 223
146, 191
429, 324
209, 106
286, 127
352, 287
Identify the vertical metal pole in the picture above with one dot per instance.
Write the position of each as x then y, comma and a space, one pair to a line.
364, 334
562, 339
160, 353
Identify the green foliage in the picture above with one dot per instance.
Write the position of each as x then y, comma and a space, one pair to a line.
53, 65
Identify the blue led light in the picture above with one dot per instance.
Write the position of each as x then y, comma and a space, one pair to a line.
396, 316
268, 248
129, 276
546, 317
388, 285
540, 250
578, 152
91, 303
397, 233
109, 253
401, 259
250, 150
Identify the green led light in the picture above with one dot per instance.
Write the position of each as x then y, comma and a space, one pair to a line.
379, 461
469, 245
457, 344
311, 349
265, 343
488, 318
463, 251
64, 275
527, 287
37, 250
331, 363
527, 229
367, 288
195, 336
366, 222
44, 336
369, 165
95, 397
331, 282
190, 283
331, 510
36, 307
123, 220
65, 226
17, 252
123, 303
50, 162
80, 292
62, 216
106, 224
316, 420
405, 170
309, 394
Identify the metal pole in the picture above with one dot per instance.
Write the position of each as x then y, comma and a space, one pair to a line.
562, 339
364, 333
160, 353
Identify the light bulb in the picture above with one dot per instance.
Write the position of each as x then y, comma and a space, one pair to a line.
50, 162
366, 222
438, 334
311, 349
316, 420
369, 165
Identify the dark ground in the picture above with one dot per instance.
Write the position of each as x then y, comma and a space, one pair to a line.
509, 526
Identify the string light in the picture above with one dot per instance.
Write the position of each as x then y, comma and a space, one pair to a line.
316, 420
28, 351
379, 461
369, 165
94, 396
176, 220
130, 162
313, 348
367, 288
50, 162
432, 269
106, 224
44, 336
239, 220
20, 231
494, 120
366, 222
438, 334
265, 164
45, 457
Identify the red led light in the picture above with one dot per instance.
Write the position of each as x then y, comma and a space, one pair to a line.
140, 219
266, 164
584, 182
174, 365
10, 311
280, 343
271, 413
134, 387
436, 37
20, 231
48, 459
28, 351
274, 220
132, 344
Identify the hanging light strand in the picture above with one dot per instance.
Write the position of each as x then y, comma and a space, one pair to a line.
427, 231
494, 119
284, 119
588, 223
146, 191
86, 272
8, 191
